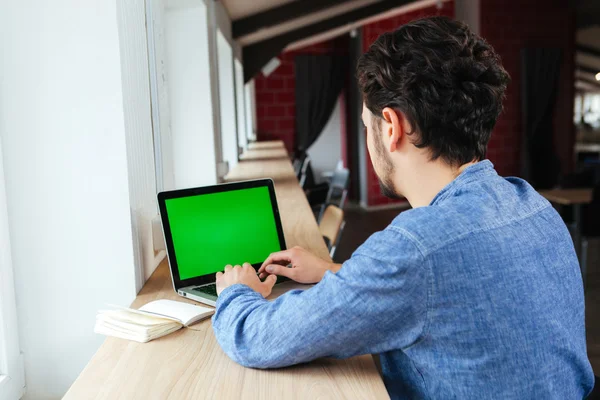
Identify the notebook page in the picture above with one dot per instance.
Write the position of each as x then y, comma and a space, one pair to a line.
182, 312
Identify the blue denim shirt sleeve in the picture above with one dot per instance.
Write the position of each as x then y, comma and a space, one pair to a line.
355, 311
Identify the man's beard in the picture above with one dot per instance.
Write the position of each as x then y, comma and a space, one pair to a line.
385, 181
387, 189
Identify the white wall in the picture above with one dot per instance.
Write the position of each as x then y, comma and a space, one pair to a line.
227, 101
191, 108
63, 136
12, 371
326, 151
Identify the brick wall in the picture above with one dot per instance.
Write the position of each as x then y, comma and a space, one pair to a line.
370, 33
275, 94
509, 26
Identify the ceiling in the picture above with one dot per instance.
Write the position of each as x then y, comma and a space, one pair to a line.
238, 9
292, 24
587, 58
261, 25
264, 28
587, 12
266, 19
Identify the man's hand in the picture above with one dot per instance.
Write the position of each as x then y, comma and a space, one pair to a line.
306, 267
246, 275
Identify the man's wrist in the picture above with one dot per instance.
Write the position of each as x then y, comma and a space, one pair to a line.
334, 268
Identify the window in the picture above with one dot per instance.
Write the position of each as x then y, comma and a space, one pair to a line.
240, 105
250, 110
227, 101
181, 92
12, 378
587, 110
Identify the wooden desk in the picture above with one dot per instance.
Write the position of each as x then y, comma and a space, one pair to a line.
189, 364
269, 144
568, 197
575, 198
264, 154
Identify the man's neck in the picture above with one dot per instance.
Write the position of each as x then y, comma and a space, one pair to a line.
428, 180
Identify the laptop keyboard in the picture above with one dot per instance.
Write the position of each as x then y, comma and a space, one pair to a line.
212, 288
208, 289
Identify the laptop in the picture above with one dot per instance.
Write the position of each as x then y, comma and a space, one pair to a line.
207, 228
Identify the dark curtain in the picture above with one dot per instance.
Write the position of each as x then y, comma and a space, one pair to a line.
541, 68
319, 80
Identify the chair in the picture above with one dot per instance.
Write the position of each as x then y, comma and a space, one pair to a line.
331, 226
590, 213
328, 175
335, 193
590, 226
297, 163
338, 188
305, 173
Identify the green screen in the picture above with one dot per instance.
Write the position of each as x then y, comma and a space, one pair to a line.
210, 231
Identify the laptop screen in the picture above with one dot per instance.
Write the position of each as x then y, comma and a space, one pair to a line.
212, 230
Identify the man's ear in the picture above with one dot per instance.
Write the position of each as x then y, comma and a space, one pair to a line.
393, 128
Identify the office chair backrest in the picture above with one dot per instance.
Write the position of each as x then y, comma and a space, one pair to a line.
297, 167
340, 178
305, 172
331, 224
298, 163
338, 188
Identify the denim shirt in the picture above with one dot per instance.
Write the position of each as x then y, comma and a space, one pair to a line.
478, 295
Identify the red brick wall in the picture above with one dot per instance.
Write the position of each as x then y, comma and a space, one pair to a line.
275, 94
509, 26
370, 33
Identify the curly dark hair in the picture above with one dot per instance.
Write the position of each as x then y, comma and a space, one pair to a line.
448, 82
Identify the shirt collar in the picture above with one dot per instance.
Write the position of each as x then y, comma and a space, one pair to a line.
471, 173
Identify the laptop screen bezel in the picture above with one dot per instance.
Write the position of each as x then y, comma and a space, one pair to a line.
225, 187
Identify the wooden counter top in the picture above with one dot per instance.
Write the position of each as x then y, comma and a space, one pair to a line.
269, 144
568, 196
189, 364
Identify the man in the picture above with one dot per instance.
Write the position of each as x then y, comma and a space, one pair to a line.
474, 293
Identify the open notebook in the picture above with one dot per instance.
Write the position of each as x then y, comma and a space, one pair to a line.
153, 320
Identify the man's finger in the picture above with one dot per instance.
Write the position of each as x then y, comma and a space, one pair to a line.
268, 285
228, 267
219, 275
275, 269
274, 258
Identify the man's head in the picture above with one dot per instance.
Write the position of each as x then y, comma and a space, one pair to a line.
432, 92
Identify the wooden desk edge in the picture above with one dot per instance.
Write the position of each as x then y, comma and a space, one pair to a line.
159, 282
567, 197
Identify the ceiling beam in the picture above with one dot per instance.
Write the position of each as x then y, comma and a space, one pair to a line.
280, 15
588, 50
586, 88
588, 80
258, 54
589, 70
